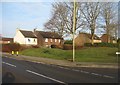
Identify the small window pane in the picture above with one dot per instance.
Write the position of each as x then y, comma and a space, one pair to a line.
46, 40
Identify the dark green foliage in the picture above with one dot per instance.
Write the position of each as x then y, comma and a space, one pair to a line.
101, 45
68, 42
70, 47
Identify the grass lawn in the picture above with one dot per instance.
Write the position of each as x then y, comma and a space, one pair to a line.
94, 54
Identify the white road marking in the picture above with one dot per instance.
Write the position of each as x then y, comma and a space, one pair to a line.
75, 70
108, 76
96, 74
9, 64
63, 68
84, 72
45, 76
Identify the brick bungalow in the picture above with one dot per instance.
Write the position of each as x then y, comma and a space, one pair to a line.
108, 39
48, 38
83, 38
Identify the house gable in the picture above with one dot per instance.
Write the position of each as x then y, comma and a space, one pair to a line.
19, 38
83, 38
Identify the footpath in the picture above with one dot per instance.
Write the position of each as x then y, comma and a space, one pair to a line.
62, 62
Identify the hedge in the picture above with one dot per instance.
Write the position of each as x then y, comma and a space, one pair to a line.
70, 47
101, 45
68, 42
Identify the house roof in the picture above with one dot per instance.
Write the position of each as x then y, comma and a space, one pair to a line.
29, 34
49, 35
7, 39
106, 35
89, 36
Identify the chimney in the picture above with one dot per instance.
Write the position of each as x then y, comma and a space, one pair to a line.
34, 30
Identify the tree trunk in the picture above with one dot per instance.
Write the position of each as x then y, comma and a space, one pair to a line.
92, 31
92, 41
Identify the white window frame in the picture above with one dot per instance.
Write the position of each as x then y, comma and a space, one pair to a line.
50, 40
46, 39
59, 40
29, 40
55, 40
34, 40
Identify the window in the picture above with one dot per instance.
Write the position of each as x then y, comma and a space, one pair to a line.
34, 40
28, 40
8, 41
46, 40
55, 40
59, 40
51, 40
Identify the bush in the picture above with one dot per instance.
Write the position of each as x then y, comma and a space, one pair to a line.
101, 45
10, 47
68, 42
35, 46
70, 47
67, 47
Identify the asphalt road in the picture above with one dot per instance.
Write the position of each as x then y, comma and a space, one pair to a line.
20, 71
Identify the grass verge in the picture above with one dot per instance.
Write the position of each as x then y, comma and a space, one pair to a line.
94, 54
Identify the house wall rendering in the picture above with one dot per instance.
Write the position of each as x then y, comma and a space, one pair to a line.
19, 38
31, 41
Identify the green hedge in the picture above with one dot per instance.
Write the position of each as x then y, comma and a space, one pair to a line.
70, 47
68, 42
101, 45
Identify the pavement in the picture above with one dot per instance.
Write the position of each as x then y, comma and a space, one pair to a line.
63, 62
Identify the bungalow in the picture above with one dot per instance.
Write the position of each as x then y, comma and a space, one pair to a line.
83, 38
25, 37
48, 38
5, 40
108, 39
39, 38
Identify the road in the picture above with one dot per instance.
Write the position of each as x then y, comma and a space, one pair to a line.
20, 71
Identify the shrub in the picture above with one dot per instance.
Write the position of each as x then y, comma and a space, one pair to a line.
10, 47
35, 46
101, 45
70, 47
68, 42
67, 47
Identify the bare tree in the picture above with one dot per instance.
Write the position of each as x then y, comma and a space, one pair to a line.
62, 19
109, 15
56, 23
90, 11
